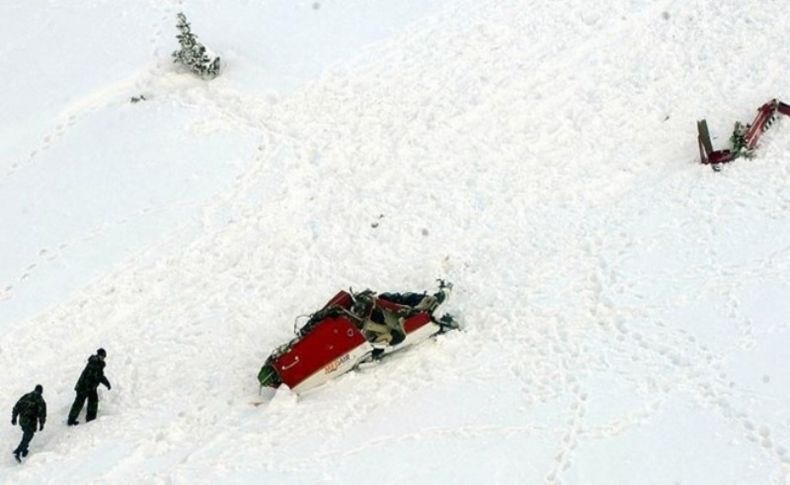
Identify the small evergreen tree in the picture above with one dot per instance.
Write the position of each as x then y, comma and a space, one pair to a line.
738, 140
193, 54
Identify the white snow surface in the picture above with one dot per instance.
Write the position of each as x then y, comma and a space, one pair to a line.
625, 310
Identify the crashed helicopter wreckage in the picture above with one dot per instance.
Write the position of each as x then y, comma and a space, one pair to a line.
351, 329
744, 137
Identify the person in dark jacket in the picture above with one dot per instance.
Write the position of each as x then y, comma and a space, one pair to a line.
32, 412
89, 380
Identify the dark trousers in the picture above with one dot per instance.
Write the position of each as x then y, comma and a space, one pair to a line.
27, 434
93, 405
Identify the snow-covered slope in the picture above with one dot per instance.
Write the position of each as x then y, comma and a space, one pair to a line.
625, 309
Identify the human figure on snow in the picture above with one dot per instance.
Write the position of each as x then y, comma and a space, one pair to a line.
89, 380
32, 412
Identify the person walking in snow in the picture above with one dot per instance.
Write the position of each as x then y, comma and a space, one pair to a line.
89, 380
32, 412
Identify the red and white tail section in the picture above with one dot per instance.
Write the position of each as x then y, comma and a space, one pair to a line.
744, 138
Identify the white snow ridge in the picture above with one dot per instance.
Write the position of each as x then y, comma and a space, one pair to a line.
625, 309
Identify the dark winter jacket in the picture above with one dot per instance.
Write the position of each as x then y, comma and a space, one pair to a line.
92, 376
31, 410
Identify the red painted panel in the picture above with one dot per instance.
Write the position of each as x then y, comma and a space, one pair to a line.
330, 339
416, 321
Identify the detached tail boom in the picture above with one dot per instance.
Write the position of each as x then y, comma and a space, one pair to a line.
744, 139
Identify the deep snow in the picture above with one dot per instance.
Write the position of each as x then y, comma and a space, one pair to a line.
625, 309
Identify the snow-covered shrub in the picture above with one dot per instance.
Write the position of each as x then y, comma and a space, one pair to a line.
193, 54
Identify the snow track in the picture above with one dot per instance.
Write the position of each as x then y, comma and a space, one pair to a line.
623, 308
